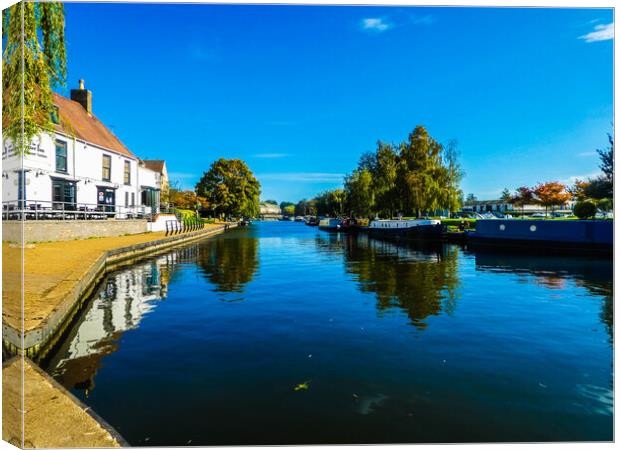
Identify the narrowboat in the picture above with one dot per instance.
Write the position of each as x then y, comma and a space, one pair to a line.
583, 236
425, 229
330, 224
312, 221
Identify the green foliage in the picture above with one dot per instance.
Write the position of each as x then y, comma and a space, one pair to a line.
606, 204
230, 188
599, 188
360, 198
285, 204
585, 209
289, 210
469, 223
607, 159
506, 196
471, 199
302, 386
271, 202
31, 70
331, 203
419, 175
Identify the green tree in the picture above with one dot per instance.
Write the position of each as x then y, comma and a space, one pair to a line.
384, 179
285, 204
471, 199
585, 209
607, 159
230, 188
289, 210
420, 172
30, 69
359, 193
506, 196
452, 193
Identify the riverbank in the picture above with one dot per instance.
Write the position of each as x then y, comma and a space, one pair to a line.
52, 417
59, 276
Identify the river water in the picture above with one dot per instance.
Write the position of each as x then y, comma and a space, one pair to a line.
279, 333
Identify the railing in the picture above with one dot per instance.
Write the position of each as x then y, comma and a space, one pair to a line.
50, 210
177, 227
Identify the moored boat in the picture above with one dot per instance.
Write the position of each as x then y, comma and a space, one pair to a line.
330, 224
312, 221
425, 229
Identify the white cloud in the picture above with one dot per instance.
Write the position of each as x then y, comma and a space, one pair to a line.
574, 178
308, 177
271, 155
375, 24
600, 33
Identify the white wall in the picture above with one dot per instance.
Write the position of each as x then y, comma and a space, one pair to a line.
84, 163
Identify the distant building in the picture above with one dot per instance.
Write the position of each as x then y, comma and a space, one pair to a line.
269, 209
486, 206
483, 206
158, 166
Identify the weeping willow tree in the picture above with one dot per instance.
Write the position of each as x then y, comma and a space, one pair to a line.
33, 63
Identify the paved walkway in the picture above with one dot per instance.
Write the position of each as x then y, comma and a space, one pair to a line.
53, 418
51, 272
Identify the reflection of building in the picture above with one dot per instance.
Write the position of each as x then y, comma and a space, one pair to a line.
123, 301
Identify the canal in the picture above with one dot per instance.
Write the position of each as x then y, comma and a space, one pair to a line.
279, 333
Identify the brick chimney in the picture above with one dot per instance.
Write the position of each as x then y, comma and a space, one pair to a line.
84, 97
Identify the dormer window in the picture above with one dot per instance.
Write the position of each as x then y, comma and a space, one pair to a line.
54, 115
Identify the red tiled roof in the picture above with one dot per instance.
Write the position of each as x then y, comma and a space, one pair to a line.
74, 120
156, 165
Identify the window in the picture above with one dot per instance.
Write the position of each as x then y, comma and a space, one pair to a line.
127, 173
126, 199
133, 199
54, 115
61, 156
63, 194
107, 168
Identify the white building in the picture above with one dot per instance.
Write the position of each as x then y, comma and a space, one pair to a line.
82, 170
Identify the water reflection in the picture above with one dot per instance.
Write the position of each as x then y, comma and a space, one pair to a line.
229, 262
421, 280
119, 305
555, 272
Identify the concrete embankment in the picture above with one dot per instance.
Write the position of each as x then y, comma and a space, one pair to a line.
60, 276
45, 414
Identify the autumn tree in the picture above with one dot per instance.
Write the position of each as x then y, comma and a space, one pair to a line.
579, 190
33, 63
523, 196
230, 188
551, 194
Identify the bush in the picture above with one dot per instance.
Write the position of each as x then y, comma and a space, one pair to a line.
605, 204
585, 209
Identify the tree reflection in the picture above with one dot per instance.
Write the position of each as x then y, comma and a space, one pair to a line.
421, 280
229, 263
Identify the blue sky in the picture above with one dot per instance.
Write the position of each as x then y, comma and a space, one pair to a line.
300, 92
